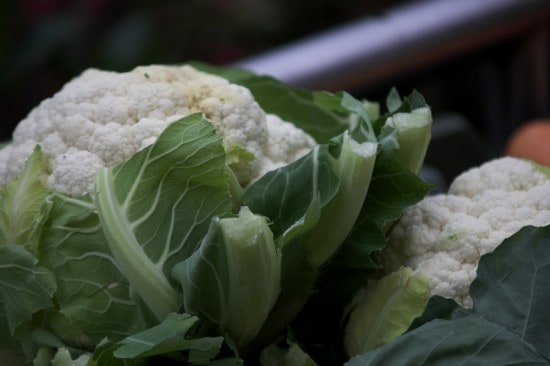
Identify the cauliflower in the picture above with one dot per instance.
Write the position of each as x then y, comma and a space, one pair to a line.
443, 236
101, 119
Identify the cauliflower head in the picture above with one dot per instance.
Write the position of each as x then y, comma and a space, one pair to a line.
101, 119
444, 235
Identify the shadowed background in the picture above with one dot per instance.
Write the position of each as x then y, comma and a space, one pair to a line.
479, 91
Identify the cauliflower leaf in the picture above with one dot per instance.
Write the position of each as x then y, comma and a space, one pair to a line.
155, 208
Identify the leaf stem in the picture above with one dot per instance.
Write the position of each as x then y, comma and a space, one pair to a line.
147, 279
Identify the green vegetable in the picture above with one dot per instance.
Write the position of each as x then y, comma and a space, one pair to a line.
169, 258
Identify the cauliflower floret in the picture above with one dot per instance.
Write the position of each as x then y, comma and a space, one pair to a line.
145, 132
13, 158
286, 142
107, 117
443, 236
73, 171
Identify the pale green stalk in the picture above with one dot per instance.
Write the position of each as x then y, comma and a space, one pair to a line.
147, 279
254, 273
385, 311
353, 167
413, 135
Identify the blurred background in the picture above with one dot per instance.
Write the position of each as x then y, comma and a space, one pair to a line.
483, 65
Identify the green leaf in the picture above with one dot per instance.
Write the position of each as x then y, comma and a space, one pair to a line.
393, 100
63, 358
24, 208
392, 189
511, 287
437, 308
466, 340
292, 198
353, 167
103, 355
413, 101
353, 105
286, 194
301, 107
170, 336
234, 277
25, 286
321, 198
416, 100
156, 208
413, 131
386, 311
92, 292
291, 355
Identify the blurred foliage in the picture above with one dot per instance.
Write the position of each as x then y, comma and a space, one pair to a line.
44, 43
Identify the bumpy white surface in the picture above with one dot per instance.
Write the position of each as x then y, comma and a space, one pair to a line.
101, 118
443, 236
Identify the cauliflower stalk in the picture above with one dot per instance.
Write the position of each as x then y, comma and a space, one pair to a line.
101, 119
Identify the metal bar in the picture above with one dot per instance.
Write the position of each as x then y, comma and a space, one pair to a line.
401, 40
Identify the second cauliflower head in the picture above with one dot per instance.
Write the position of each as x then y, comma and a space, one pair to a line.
444, 235
102, 118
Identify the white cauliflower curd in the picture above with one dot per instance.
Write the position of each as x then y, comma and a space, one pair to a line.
443, 236
101, 119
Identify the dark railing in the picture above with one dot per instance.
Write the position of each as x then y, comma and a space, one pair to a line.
399, 40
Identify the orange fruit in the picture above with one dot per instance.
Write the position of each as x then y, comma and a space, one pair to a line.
531, 141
